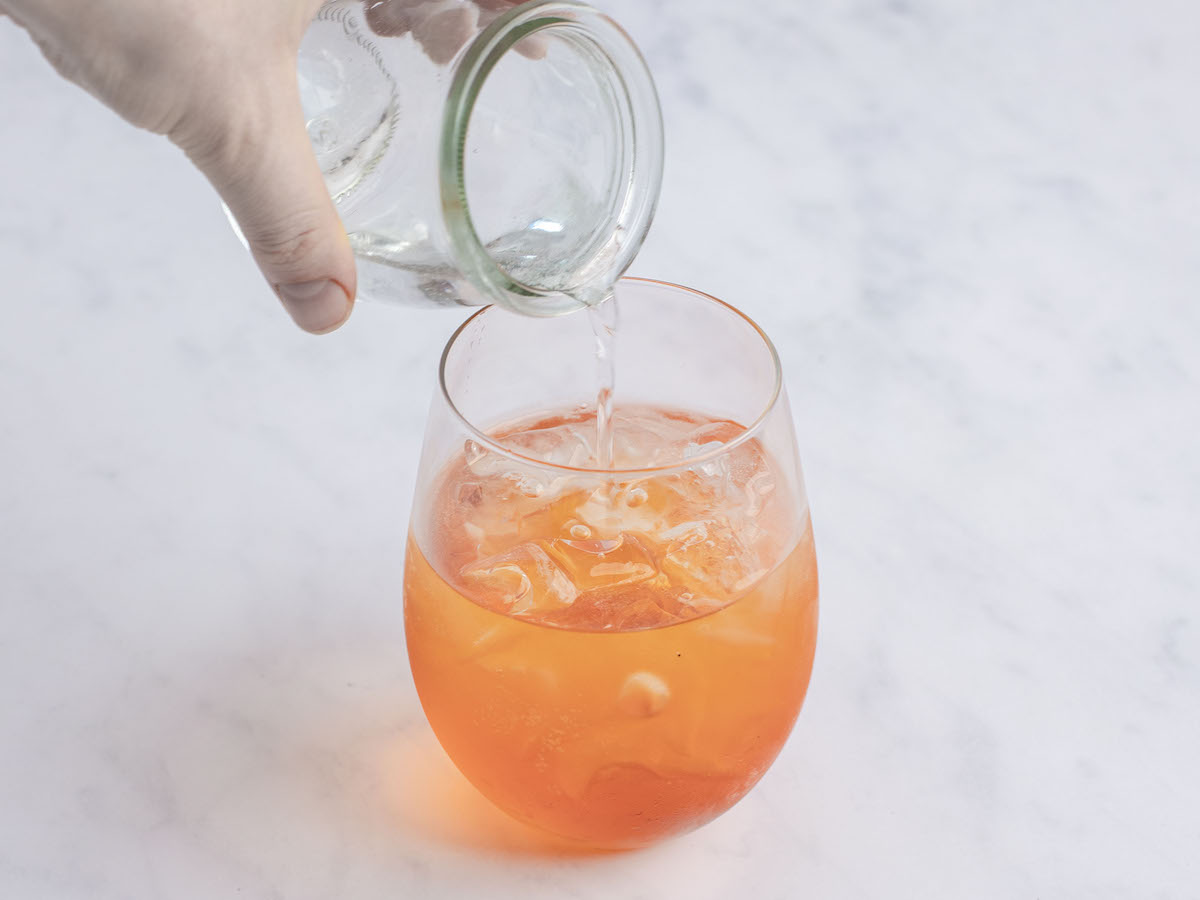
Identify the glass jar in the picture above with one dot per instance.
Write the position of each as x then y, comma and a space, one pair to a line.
479, 156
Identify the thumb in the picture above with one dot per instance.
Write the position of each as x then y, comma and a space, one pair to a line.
264, 169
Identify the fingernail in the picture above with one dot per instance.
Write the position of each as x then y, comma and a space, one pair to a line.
390, 18
317, 306
444, 33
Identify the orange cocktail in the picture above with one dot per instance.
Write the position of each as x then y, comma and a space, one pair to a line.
613, 657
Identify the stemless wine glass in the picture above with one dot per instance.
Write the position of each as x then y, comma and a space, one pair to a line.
614, 655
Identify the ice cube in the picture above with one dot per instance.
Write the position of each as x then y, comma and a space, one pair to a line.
521, 581
623, 572
644, 440
698, 604
600, 512
693, 449
684, 534
474, 533
473, 453
721, 431
562, 444
489, 515
736, 486
487, 465
527, 485
758, 488
470, 493
711, 468
712, 557
595, 564
705, 439
640, 506
549, 515
624, 608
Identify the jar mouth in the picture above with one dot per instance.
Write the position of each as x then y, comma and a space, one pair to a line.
553, 282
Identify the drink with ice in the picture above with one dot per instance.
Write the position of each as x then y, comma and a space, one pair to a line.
614, 660
613, 643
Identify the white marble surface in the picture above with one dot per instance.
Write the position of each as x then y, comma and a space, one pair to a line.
973, 229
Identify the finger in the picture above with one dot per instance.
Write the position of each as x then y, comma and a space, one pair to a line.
392, 18
257, 155
532, 47
444, 33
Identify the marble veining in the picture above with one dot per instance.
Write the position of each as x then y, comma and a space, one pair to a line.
972, 230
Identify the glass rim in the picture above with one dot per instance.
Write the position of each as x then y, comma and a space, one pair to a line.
749, 432
640, 167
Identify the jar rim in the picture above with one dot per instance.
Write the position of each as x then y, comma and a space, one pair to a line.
640, 165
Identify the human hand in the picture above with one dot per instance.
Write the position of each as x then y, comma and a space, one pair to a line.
442, 27
219, 80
